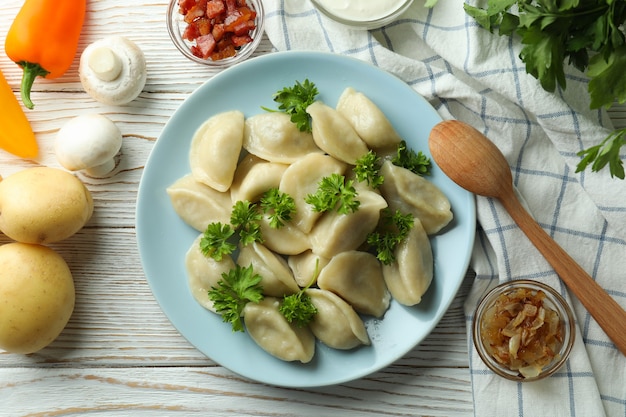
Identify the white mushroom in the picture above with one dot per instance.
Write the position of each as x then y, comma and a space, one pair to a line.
88, 142
113, 70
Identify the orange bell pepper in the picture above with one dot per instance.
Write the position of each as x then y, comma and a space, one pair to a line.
43, 39
16, 134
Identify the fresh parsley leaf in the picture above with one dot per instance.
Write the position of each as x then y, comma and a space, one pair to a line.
607, 152
298, 307
245, 219
590, 35
392, 230
280, 207
234, 290
294, 101
405, 157
608, 81
334, 192
214, 241
367, 169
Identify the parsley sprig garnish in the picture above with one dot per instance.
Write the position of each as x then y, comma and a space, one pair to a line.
294, 101
234, 290
298, 307
245, 218
407, 158
279, 207
367, 169
334, 192
392, 230
245, 221
215, 241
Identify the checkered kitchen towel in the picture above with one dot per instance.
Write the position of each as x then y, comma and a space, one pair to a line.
474, 76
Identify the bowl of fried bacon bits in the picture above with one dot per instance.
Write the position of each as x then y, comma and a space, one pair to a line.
523, 330
216, 33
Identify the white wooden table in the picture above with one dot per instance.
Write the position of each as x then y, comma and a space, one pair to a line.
119, 355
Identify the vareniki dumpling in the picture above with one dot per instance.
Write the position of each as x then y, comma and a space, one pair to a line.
410, 275
204, 272
253, 177
274, 334
336, 324
215, 149
273, 137
301, 179
334, 134
198, 204
335, 232
357, 277
409, 193
306, 267
277, 279
367, 119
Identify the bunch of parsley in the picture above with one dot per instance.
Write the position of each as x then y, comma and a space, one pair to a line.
588, 34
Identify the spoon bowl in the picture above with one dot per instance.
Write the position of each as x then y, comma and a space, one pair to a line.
473, 162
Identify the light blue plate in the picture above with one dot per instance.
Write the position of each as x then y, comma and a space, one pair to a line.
163, 238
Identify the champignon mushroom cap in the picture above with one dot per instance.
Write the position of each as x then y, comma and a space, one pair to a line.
113, 70
88, 142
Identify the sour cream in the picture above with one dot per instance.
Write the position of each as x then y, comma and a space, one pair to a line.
361, 10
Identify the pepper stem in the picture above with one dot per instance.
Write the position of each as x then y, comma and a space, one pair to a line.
31, 71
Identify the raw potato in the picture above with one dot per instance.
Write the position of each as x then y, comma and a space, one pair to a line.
36, 296
43, 205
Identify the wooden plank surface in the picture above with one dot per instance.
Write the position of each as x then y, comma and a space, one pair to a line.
119, 355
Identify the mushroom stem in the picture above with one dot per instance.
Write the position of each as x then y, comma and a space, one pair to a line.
101, 170
105, 63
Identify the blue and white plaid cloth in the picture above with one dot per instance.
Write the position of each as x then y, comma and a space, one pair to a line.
468, 74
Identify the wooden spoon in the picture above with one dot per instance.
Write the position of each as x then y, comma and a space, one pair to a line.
476, 164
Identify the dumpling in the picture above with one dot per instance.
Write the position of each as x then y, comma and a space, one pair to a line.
357, 277
275, 138
253, 177
204, 272
215, 149
274, 334
367, 119
302, 178
287, 240
410, 193
336, 324
410, 275
198, 204
334, 232
334, 135
306, 266
277, 277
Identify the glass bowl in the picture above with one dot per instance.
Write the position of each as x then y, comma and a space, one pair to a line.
498, 337
363, 14
176, 26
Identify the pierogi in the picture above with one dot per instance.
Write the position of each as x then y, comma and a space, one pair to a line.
326, 255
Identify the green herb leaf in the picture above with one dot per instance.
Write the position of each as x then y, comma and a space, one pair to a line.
418, 163
334, 192
554, 33
298, 307
605, 153
214, 242
392, 230
280, 207
294, 101
245, 219
234, 290
367, 169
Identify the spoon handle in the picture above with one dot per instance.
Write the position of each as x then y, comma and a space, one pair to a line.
603, 308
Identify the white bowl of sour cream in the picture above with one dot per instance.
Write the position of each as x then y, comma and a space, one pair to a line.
364, 14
